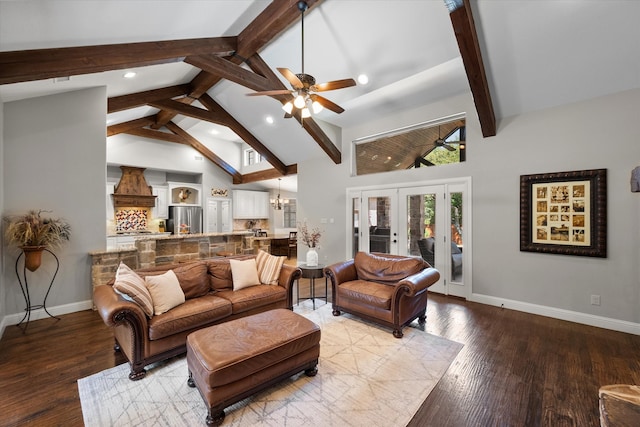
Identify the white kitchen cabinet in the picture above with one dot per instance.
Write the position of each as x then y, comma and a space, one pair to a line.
250, 204
161, 210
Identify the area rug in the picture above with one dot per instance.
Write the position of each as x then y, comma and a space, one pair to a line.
366, 377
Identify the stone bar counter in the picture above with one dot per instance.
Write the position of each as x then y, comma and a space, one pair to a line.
157, 249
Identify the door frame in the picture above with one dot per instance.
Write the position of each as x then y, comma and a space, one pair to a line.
452, 185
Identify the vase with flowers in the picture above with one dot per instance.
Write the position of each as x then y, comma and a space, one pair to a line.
311, 239
34, 233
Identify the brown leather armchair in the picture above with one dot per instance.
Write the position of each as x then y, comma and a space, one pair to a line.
387, 289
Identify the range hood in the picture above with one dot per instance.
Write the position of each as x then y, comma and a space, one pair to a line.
132, 190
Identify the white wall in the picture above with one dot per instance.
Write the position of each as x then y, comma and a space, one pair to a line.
3, 298
599, 133
54, 159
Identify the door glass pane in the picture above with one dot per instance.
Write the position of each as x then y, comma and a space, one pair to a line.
379, 215
457, 237
421, 223
355, 224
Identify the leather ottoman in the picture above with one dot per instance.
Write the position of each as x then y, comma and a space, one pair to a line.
233, 360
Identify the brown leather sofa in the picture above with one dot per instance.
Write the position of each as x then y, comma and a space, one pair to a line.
387, 289
209, 299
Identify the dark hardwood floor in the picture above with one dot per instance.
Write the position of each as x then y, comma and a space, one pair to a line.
515, 369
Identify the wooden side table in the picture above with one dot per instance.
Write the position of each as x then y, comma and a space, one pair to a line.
312, 273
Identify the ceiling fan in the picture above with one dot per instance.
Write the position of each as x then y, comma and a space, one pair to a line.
442, 143
305, 88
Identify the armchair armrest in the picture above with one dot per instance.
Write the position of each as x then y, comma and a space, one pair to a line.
418, 282
341, 272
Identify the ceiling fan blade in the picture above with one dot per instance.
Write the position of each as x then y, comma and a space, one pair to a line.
448, 147
293, 79
270, 92
327, 104
332, 85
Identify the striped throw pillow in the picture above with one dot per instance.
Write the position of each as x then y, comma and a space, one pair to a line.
269, 267
130, 284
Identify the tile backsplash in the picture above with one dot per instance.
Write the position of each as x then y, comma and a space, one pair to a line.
131, 219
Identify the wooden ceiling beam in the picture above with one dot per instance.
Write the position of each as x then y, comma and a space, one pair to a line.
133, 100
202, 149
465, 31
243, 133
176, 107
268, 174
228, 70
274, 19
130, 125
323, 140
39, 64
157, 134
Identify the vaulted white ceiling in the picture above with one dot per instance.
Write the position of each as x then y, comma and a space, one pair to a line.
537, 54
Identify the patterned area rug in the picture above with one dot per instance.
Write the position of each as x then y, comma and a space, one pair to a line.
366, 377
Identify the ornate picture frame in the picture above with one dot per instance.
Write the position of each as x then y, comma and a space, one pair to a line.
564, 213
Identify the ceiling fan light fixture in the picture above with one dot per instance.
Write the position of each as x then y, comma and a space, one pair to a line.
299, 102
305, 113
316, 107
288, 107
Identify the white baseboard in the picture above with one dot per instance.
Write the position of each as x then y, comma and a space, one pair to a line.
14, 319
558, 313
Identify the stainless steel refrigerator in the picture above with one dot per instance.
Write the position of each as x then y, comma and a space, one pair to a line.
185, 219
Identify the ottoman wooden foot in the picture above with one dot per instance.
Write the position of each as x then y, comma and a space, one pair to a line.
311, 372
215, 420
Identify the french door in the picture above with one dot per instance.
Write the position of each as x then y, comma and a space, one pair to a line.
428, 221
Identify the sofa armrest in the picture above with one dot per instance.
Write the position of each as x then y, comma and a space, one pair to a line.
289, 273
418, 282
114, 309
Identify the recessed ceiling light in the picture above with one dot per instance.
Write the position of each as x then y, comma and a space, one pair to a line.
363, 79
129, 75
214, 131
269, 119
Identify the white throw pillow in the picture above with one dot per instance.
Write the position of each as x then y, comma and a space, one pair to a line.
165, 291
244, 273
269, 267
129, 284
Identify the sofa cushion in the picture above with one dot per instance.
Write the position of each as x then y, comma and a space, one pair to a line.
253, 297
129, 283
192, 277
381, 269
244, 273
165, 291
194, 313
220, 272
367, 292
269, 267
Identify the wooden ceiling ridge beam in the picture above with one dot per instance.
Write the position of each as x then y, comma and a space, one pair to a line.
202, 149
39, 64
138, 99
467, 37
273, 20
243, 133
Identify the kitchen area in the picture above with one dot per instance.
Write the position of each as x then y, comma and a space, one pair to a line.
173, 221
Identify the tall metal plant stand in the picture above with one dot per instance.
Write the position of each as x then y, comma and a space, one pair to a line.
25, 293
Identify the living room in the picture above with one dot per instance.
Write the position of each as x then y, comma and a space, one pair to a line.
594, 128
